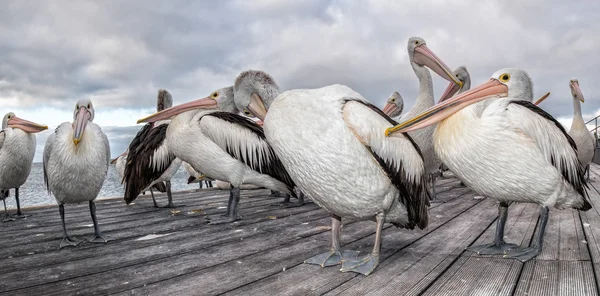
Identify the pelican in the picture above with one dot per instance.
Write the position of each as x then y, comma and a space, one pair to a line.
76, 158
579, 131
17, 148
330, 139
211, 136
425, 99
394, 106
120, 163
513, 152
196, 176
149, 161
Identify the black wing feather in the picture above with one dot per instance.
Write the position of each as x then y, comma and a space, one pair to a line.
139, 172
579, 182
273, 167
414, 196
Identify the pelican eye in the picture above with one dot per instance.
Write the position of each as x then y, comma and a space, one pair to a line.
393, 100
89, 106
417, 42
505, 77
214, 95
9, 116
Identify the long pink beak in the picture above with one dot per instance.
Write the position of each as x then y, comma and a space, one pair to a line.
576, 90
441, 111
115, 160
424, 56
390, 109
206, 103
81, 120
542, 99
26, 125
451, 90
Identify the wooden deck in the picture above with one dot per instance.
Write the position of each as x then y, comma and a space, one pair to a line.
160, 252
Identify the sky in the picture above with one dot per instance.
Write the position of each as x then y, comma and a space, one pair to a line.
119, 53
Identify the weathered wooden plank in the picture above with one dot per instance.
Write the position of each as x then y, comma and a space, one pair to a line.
541, 277
305, 279
475, 274
591, 224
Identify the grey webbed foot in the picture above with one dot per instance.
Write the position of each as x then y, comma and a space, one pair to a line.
99, 238
524, 254
365, 265
222, 220
492, 249
69, 242
9, 218
331, 258
21, 216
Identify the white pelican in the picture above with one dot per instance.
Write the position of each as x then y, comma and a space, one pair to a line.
17, 148
211, 136
76, 158
120, 163
330, 140
394, 106
417, 51
513, 152
196, 176
149, 161
579, 131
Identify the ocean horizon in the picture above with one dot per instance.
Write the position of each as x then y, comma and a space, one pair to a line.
34, 193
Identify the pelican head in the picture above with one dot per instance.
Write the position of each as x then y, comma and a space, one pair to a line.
83, 113
10, 120
420, 55
254, 91
164, 100
575, 90
513, 83
463, 76
394, 105
221, 99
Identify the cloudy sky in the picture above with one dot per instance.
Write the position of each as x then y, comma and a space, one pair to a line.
119, 53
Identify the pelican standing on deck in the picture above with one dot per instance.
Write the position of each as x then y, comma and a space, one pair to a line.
330, 140
121, 161
17, 149
211, 136
394, 106
425, 99
149, 161
76, 158
579, 131
511, 135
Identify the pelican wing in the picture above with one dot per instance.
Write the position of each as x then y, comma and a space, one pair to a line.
552, 140
47, 153
147, 160
245, 140
398, 155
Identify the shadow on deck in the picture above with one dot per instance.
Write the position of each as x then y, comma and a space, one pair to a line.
165, 252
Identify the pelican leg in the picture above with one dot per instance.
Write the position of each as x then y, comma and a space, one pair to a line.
232, 208
527, 253
200, 184
170, 196
335, 255
19, 215
499, 246
293, 204
153, 199
7, 217
366, 265
209, 183
98, 238
67, 241
275, 193
434, 199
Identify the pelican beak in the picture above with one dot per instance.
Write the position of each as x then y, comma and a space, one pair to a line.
576, 91
425, 57
389, 109
452, 89
81, 120
206, 103
257, 107
260, 122
492, 88
542, 99
26, 125
115, 160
